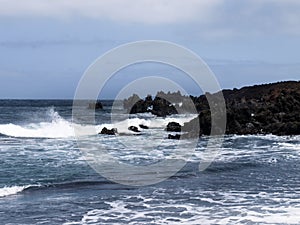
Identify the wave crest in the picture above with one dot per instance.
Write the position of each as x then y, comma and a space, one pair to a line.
57, 128
6, 191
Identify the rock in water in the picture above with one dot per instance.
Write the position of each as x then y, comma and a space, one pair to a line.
173, 127
143, 126
158, 106
162, 107
96, 105
112, 131
175, 137
134, 129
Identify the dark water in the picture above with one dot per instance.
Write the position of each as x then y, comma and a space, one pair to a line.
45, 179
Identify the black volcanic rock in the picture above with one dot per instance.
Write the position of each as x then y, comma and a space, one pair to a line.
260, 109
95, 105
143, 126
175, 137
134, 129
128, 103
135, 104
162, 105
112, 131
173, 127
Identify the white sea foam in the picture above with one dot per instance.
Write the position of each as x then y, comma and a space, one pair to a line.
289, 146
6, 191
61, 128
224, 208
154, 122
57, 128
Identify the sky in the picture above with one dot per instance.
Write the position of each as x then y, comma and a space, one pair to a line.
47, 45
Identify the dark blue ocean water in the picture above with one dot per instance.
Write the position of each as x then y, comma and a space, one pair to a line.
45, 178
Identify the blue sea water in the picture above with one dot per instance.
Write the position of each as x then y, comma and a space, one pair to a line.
45, 178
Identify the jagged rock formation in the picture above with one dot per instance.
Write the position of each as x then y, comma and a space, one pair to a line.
157, 106
163, 104
260, 109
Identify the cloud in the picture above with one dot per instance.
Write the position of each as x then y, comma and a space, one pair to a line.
138, 11
264, 16
212, 18
250, 18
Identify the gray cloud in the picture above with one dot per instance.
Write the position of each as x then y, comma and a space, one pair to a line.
139, 11
212, 18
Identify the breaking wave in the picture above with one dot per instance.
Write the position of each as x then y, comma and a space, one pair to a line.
59, 127
6, 191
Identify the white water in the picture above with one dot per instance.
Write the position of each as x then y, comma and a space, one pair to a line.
61, 128
6, 191
225, 210
57, 128
152, 123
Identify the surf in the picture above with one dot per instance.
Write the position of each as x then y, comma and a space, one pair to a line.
7, 191
58, 127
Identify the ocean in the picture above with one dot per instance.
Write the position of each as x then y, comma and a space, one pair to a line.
46, 179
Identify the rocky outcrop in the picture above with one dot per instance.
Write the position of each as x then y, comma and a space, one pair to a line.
143, 126
173, 127
135, 104
162, 105
134, 129
260, 109
95, 105
106, 131
175, 137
